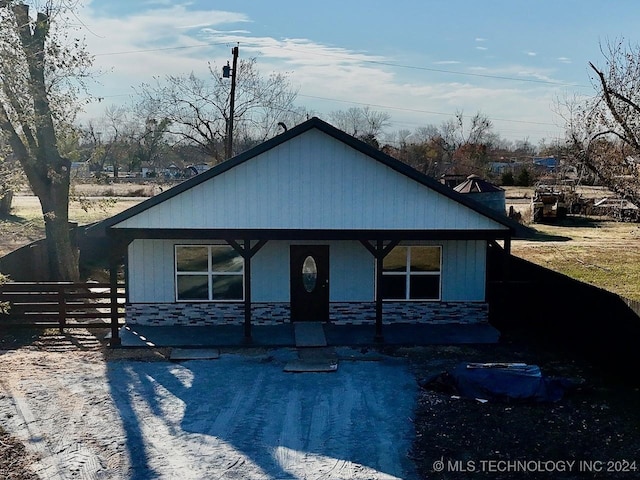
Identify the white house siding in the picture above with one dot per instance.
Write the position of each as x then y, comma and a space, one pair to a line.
313, 181
464, 271
151, 274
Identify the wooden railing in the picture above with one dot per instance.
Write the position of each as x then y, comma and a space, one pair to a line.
62, 305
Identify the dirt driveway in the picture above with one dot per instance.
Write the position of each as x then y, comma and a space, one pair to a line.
238, 417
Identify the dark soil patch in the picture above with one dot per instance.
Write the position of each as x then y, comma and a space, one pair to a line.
14, 460
596, 426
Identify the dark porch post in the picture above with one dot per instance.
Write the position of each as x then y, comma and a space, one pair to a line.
379, 266
116, 254
506, 266
247, 289
506, 276
247, 252
379, 252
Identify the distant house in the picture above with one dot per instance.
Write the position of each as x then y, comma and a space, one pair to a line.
196, 169
548, 164
312, 225
148, 170
171, 171
500, 168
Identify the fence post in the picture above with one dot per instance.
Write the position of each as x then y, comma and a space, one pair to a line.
62, 308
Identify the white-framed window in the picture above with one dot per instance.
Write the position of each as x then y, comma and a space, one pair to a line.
412, 273
208, 273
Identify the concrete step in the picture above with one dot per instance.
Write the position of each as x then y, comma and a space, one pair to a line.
309, 334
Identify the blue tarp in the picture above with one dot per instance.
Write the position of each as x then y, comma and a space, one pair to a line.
504, 382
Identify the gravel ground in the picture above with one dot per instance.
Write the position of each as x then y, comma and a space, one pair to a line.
240, 416
77, 410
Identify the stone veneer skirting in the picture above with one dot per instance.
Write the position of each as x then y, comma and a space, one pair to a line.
340, 313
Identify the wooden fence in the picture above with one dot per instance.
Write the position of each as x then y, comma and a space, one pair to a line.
63, 305
560, 311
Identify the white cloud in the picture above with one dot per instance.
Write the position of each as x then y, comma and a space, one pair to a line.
175, 40
134, 48
564, 60
531, 54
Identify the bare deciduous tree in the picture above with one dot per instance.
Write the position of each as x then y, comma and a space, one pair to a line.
363, 123
197, 109
39, 59
604, 131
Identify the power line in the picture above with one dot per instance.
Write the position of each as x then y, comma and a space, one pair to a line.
421, 111
439, 70
375, 62
183, 47
389, 107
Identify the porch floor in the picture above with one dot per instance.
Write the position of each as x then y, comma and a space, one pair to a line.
283, 335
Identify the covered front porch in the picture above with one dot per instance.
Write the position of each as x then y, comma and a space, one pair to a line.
391, 323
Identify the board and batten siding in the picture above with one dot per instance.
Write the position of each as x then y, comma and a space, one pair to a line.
151, 275
464, 267
313, 181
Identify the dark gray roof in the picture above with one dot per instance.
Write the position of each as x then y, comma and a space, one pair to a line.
475, 184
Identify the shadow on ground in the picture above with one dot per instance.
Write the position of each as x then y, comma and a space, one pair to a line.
243, 416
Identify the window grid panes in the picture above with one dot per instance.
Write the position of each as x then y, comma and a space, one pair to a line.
412, 273
208, 273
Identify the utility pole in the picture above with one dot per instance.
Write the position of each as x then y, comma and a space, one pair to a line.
227, 72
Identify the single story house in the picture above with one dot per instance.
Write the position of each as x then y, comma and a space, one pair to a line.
548, 164
311, 225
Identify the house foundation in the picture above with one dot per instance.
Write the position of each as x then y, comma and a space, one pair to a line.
276, 313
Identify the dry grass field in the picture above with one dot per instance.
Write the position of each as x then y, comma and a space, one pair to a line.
598, 252
594, 250
91, 204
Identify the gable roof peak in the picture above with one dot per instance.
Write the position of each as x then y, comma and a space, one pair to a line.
285, 136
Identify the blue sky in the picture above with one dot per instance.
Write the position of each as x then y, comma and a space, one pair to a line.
420, 61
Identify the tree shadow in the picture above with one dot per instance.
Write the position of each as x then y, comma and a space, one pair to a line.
546, 237
15, 337
569, 222
10, 217
247, 411
26, 223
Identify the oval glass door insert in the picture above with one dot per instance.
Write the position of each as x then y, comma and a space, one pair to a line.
309, 274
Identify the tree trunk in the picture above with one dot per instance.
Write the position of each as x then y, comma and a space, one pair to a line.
49, 177
5, 203
52, 189
63, 254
